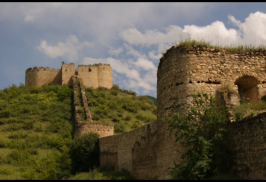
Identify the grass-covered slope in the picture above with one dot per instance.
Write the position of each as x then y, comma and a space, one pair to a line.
152, 98
36, 125
121, 108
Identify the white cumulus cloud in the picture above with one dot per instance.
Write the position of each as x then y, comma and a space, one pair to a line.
69, 50
144, 64
115, 52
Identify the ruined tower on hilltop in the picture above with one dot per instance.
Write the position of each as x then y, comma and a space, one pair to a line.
183, 70
97, 75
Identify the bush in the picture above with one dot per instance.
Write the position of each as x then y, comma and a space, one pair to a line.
4, 114
84, 152
19, 157
136, 124
80, 110
115, 87
202, 132
96, 117
239, 115
130, 107
28, 125
13, 127
114, 92
5, 171
128, 117
119, 128
53, 167
115, 120
89, 89
132, 93
19, 135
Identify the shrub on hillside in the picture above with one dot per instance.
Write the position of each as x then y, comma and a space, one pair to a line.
115, 87
84, 152
54, 166
119, 128
202, 132
114, 92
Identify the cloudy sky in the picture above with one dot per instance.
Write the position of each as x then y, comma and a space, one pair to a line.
131, 37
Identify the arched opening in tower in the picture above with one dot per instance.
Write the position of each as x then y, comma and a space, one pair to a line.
247, 88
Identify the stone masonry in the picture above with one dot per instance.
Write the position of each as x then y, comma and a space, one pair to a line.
98, 75
87, 125
148, 151
183, 70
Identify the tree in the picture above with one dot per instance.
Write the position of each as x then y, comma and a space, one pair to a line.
203, 132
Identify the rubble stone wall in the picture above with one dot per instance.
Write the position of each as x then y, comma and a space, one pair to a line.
146, 152
248, 138
182, 71
99, 75
40, 76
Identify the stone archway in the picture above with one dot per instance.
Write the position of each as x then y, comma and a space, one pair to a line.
248, 88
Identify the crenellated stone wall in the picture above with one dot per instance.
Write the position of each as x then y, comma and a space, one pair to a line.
40, 76
98, 75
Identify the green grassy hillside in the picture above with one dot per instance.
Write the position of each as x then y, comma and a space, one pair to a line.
37, 126
122, 108
152, 98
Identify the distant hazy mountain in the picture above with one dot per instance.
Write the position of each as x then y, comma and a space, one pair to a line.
152, 98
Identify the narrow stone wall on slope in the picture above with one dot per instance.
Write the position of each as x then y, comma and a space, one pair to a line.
87, 125
84, 101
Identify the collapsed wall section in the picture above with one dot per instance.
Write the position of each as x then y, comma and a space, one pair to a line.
146, 152
183, 70
40, 76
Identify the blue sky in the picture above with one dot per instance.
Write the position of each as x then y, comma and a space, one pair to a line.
131, 37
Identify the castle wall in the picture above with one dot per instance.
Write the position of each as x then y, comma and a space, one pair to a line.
146, 152
68, 70
89, 75
105, 76
102, 129
40, 76
248, 139
183, 70
88, 125
92, 75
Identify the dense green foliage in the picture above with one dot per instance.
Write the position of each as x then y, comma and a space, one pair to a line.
152, 98
104, 173
120, 107
36, 127
202, 132
84, 152
248, 109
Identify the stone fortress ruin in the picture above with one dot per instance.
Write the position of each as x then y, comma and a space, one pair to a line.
97, 75
184, 70
149, 151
